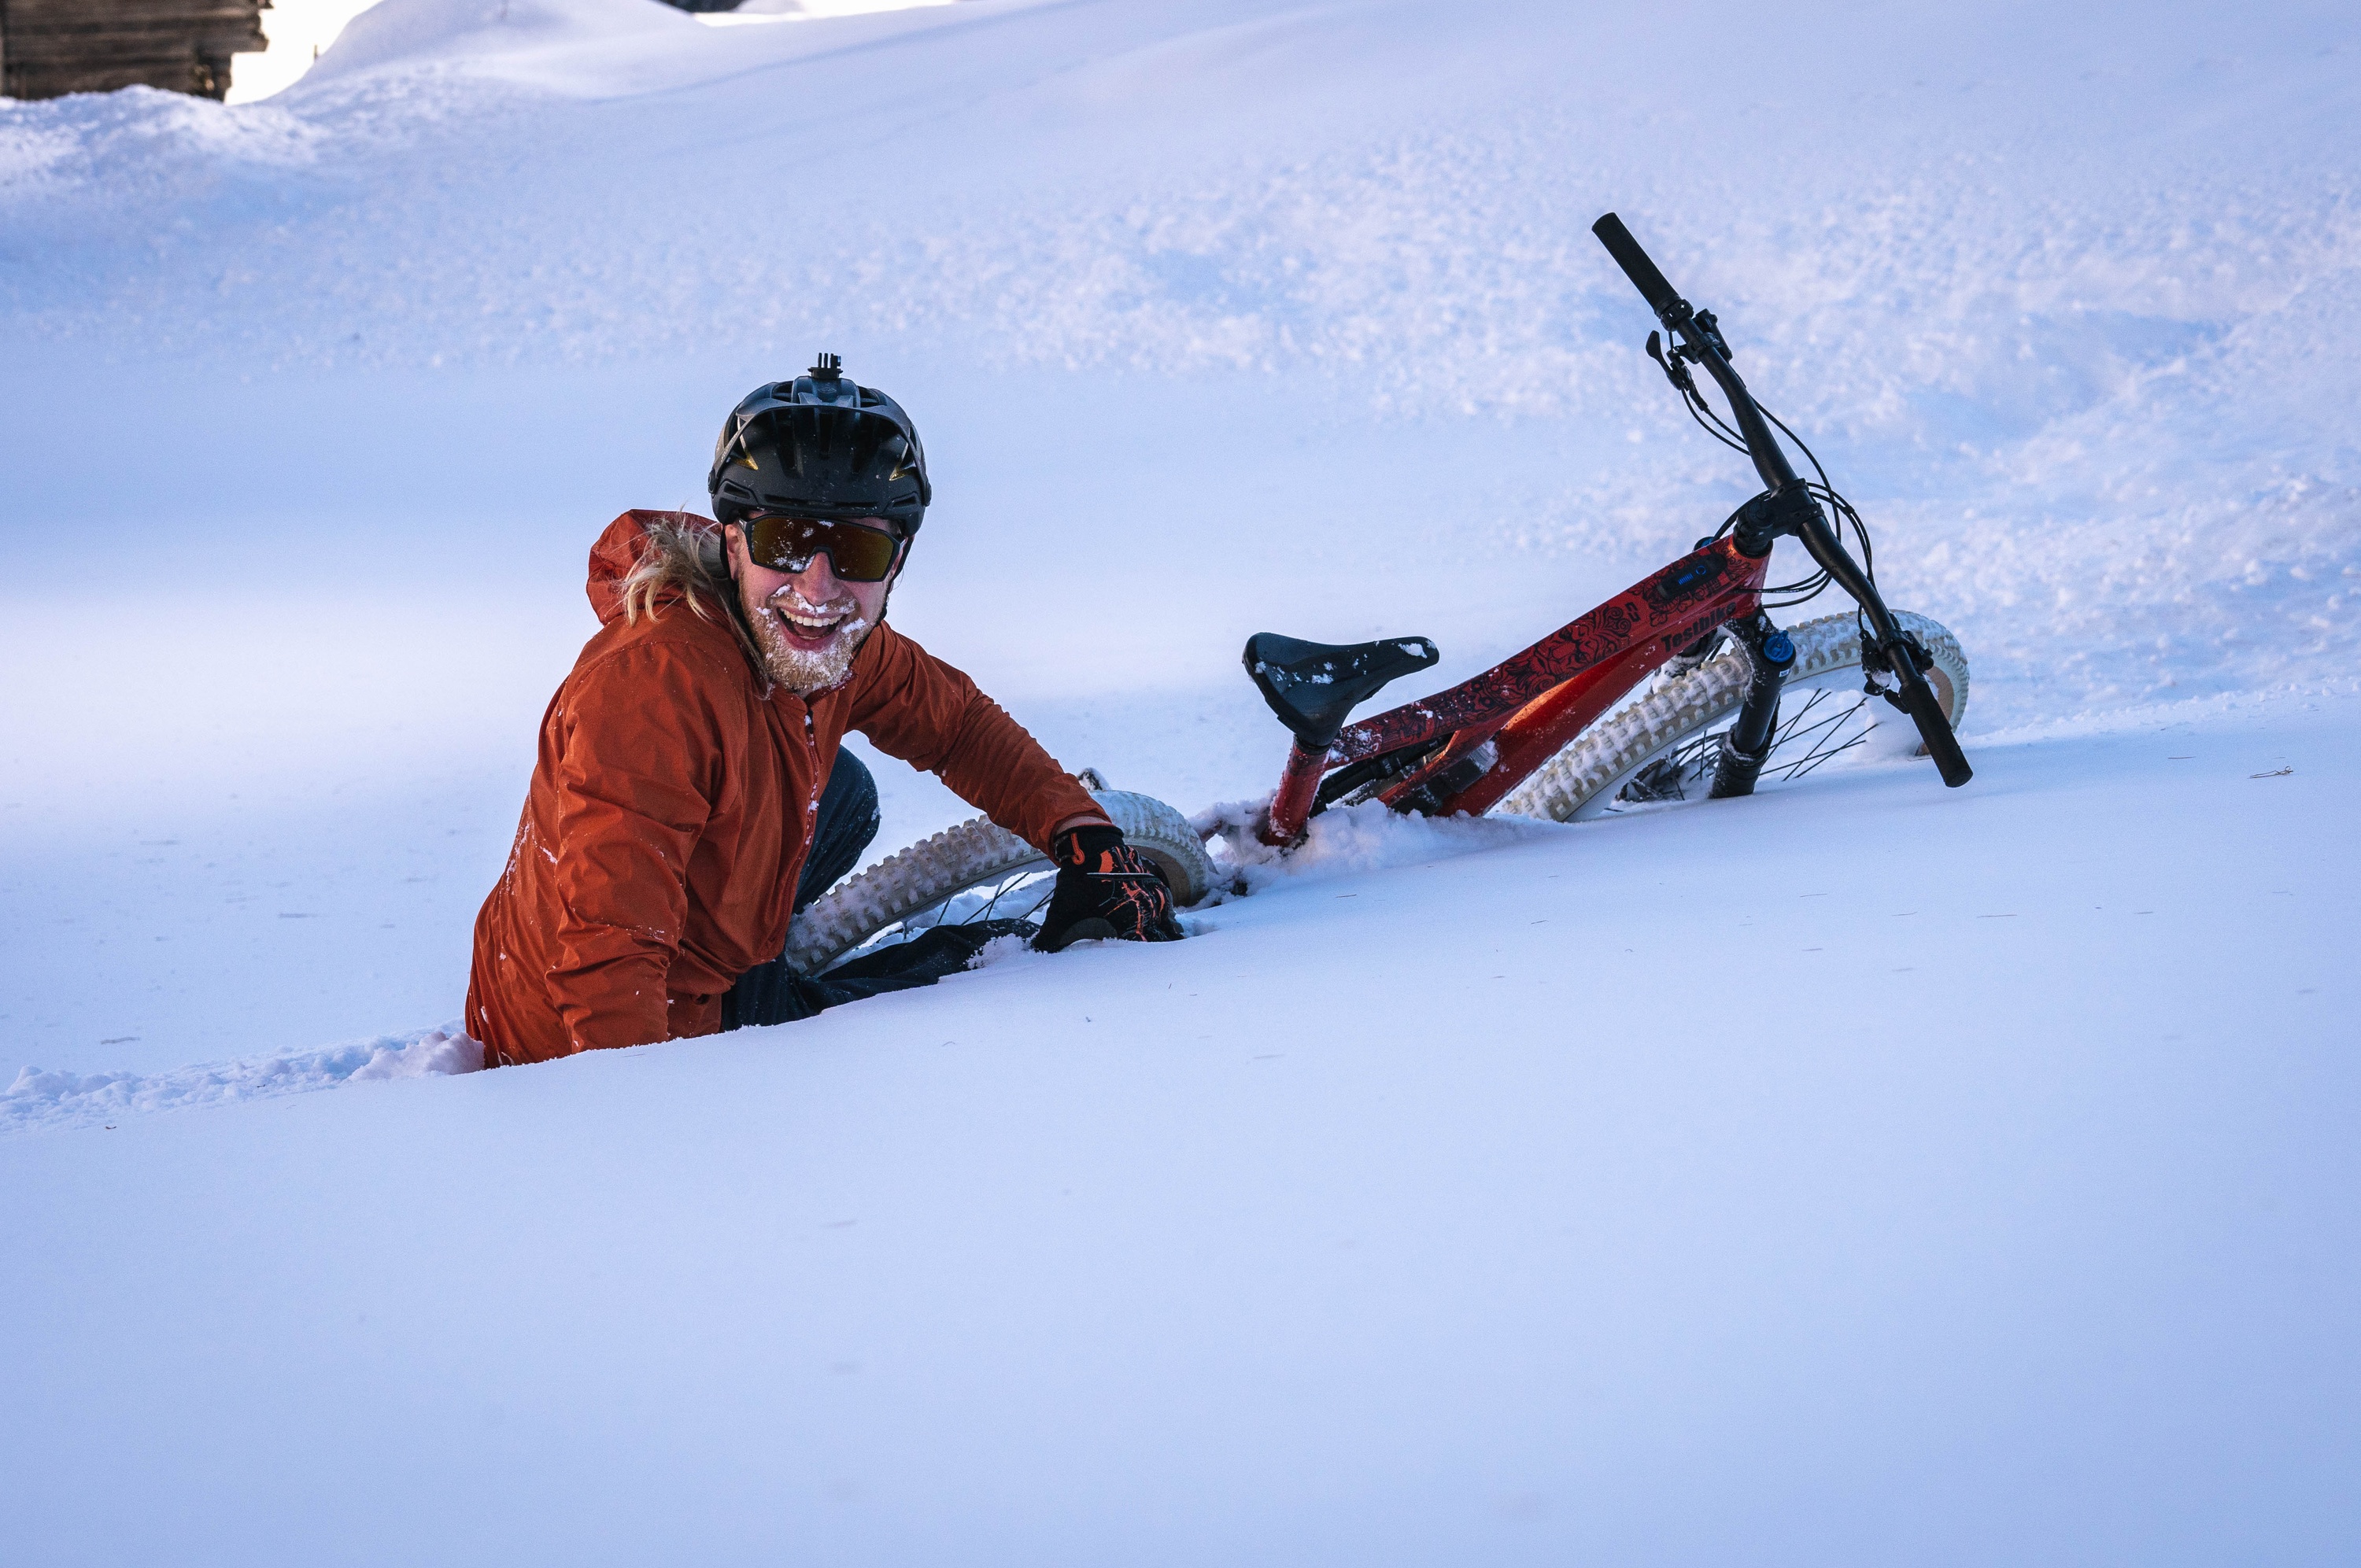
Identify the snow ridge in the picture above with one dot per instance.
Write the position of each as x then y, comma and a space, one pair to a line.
1347, 840
42, 1100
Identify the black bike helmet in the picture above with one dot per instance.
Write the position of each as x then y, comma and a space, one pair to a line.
821, 446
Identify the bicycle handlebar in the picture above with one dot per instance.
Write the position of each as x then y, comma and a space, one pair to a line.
1635, 264
1914, 696
1918, 700
1679, 318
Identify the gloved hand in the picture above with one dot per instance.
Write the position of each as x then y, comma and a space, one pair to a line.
1106, 888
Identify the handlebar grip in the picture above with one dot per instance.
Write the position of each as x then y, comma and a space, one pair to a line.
1919, 700
1635, 263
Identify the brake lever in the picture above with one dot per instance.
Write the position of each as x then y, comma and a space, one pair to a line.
1674, 369
1906, 660
1877, 659
1890, 659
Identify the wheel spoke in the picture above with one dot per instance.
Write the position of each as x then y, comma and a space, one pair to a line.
1020, 896
998, 894
1805, 766
1807, 737
1817, 735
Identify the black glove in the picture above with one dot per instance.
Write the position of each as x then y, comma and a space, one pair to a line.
1105, 889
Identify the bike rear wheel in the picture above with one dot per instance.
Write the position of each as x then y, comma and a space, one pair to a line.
977, 871
1661, 748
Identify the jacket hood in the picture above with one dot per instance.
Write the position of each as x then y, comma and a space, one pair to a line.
619, 549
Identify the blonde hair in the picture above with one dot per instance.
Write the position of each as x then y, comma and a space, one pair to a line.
680, 556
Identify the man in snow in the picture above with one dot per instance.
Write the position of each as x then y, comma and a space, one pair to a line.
690, 794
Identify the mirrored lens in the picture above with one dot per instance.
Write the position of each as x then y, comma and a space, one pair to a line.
858, 553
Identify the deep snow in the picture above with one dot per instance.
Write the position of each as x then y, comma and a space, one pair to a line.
1858, 1174
1863, 1172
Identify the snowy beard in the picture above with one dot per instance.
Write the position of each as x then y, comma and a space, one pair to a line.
805, 670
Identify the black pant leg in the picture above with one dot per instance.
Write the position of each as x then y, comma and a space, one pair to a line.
772, 993
848, 826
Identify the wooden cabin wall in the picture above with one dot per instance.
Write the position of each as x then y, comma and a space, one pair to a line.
53, 47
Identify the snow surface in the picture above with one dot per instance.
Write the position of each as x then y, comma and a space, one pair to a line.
1862, 1172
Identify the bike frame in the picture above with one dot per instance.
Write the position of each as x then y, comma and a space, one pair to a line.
1531, 703
1529, 706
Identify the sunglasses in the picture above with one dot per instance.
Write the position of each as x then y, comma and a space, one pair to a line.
855, 551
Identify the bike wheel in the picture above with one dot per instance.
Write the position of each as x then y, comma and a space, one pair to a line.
1662, 746
976, 872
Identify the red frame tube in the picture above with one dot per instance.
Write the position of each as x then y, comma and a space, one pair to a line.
1291, 808
1535, 701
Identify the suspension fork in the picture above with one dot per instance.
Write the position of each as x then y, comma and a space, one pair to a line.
1746, 745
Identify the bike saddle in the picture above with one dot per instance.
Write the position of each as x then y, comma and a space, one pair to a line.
1313, 686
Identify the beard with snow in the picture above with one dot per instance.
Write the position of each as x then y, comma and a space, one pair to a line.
800, 667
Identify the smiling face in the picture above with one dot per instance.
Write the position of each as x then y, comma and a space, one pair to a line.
809, 623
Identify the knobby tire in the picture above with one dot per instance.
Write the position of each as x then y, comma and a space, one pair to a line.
1676, 720
980, 871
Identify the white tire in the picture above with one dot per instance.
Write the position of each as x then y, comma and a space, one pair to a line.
981, 871
1662, 746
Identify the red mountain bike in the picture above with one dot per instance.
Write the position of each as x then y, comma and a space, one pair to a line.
1732, 700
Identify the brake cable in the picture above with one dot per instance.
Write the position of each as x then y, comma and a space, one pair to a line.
1677, 371
1672, 360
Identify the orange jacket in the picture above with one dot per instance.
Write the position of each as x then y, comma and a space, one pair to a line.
673, 803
